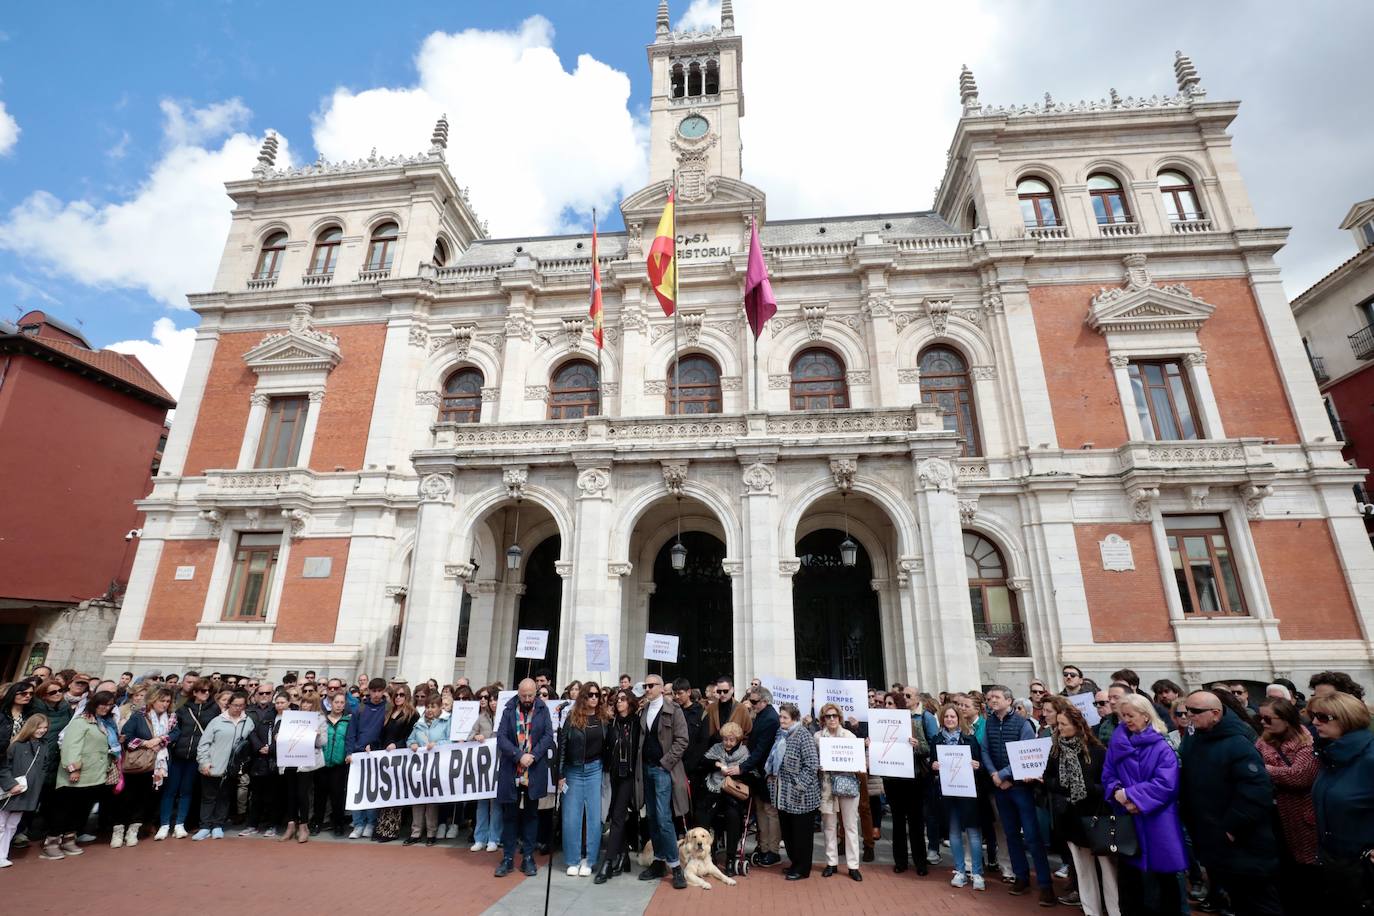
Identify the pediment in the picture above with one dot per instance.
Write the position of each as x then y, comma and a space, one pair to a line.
301, 349
725, 195
1152, 308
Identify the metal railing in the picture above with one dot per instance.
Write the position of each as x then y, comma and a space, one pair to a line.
1362, 342
1008, 640
1319, 369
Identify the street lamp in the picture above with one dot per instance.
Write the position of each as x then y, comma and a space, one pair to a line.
678, 554
849, 551
513, 552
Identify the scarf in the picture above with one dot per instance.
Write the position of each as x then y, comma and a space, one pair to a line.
950, 737
774, 764
159, 724
523, 742
1071, 768
16, 725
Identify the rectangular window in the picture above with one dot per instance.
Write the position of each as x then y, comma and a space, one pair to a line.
282, 432
1163, 400
250, 582
1368, 229
1204, 569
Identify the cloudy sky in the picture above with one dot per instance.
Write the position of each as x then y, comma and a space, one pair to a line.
116, 138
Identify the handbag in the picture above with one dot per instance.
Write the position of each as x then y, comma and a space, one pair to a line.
844, 785
1111, 834
140, 759
734, 788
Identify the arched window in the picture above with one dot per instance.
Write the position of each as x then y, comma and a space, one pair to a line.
269, 262
1109, 200
326, 253
700, 381
573, 391
1180, 197
996, 619
462, 397
818, 381
1038, 207
694, 80
712, 78
971, 215
945, 383
382, 248
678, 79
440, 253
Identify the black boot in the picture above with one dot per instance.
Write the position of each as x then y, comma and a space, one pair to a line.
626, 863
604, 873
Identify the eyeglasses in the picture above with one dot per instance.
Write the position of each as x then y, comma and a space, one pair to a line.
1069, 675
723, 693
1325, 718
485, 696
56, 691
831, 715
593, 695
1266, 720
264, 693
1194, 711
648, 684
1180, 713
1238, 693
1102, 702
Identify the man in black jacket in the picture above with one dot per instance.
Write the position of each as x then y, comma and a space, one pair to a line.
262, 774
1227, 802
697, 746
760, 744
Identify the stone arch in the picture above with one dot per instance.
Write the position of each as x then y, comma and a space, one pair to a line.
383, 216
319, 224
638, 503
879, 554
960, 333
1175, 163
442, 362
262, 233
714, 342
1114, 167
1036, 170
1006, 538
847, 343
540, 366
472, 513
886, 497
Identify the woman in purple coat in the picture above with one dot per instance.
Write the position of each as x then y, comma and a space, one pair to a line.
1141, 778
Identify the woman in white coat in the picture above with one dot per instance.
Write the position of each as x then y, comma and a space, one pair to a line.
840, 794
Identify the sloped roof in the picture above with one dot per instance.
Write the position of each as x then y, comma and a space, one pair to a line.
118, 367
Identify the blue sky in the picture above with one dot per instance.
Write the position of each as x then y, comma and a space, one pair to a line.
129, 121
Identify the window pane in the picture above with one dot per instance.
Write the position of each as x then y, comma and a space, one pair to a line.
1171, 207
1163, 414
1032, 186
1028, 212
1047, 212
975, 598
1167, 179
1187, 429
1196, 547
1100, 209
1194, 522
1228, 572
1118, 208
999, 605
1102, 183
1180, 576
1204, 580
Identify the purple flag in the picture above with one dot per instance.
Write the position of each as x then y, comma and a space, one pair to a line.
759, 304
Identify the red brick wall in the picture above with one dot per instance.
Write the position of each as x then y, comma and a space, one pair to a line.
309, 610
1303, 576
174, 607
346, 414
1124, 606
1082, 388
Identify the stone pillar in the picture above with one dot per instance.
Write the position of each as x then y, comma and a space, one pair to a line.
368, 599
765, 639
390, 435
482, 619
1024, 390
511, 400
914, 631
188, 405
952, 656
252, 433
1056, 576
430, 631
634, 346
882, 348
594, 604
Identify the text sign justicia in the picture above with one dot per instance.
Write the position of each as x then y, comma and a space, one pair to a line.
448, 773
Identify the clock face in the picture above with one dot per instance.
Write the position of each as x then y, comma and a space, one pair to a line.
693, 127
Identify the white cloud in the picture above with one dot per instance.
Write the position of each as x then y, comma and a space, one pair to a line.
167, 238
166, 355
200, 125
531, 139
9, 130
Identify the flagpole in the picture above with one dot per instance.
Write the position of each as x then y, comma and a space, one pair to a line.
756, 337
677, 312
600, 383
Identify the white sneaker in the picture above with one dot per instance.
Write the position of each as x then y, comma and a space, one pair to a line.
201, 834
86, 838
584, 870
270, 832
356, 834
248, 831
5, 863
572, 871
180, 832
933, 858
367, 831
162, 832
477, 847
978, 883
492, 846
117, 837
1061, 872
453, 831
958, 880
131, 835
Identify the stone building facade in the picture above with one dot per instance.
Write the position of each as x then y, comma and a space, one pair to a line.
1062, 416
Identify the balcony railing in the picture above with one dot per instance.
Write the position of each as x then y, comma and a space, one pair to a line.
265, 281
365, 276
1362, 342
1185, 226
1319, 369
1116, 230
323, 278
1048, 232
1008, 640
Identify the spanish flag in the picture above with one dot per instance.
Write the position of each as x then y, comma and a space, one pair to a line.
594, 311
663, 260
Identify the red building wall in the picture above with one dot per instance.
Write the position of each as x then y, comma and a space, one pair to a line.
75, 456
1353, 398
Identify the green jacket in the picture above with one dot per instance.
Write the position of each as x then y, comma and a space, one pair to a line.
84, 742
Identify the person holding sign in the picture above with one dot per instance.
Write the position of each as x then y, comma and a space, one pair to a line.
487, 830
1015, 803
905, 796
523, 742
793, 781
429, 731
580, 745
963, 812
296, 780
839, 799
1073, 781
400, 719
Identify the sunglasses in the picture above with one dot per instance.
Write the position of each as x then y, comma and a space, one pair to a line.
1325, 718
1102, 702
721, 693
1194, 711
1266, 720
649, 684
593, 695
56, 691
831, 715
1180, 713
1237, 693
1070, 674
485, 696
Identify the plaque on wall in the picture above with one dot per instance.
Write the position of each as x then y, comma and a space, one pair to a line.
1116, 553
317, 567
186, 572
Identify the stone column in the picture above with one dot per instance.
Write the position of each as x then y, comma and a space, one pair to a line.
765, 638
882, 347
953, 658
430, 631
594, 605
519, 328
188, 405
634, 346
252, 434
1052, 546
367, 602
482, 621
390, 435
1016, 342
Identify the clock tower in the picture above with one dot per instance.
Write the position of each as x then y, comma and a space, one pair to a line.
696, 105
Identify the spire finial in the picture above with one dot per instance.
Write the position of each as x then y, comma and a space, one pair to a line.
267, 156
662, 22
968, 92
1189, 83
438, 141
727, 16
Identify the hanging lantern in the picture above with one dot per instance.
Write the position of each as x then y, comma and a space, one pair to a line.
513, 555
678, 556
849, 552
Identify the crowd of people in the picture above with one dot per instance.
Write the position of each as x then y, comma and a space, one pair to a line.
1171, 801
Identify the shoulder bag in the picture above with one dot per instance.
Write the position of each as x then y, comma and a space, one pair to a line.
1111, 834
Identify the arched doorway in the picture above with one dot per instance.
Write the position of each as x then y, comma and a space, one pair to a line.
835, 612
541, 604
695, 606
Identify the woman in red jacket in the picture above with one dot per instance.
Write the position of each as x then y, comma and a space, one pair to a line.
1286, 747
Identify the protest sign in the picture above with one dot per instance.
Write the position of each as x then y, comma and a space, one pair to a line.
788, 691
462, 719
850, 696
1084, 702
889, 743
598, 652
1028, 758
532, 644
956, 770
448, 773
296, 738
660, 647
841, 755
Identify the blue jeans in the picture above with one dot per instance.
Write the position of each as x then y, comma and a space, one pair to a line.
956, 841
1016, 808
366, 818
583, 799
519, 822
181, 780
658, 809
488, 829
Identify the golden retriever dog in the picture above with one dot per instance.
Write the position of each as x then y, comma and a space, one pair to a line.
694, 850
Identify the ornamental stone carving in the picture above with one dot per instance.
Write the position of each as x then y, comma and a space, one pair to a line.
814, 316
1143, 502
1118, 361
428, 399
876, 306
843, 470
300, 348
1196, 359
1019, 583
419, 337
573, 332
459, 570
1143, 306
296, 520
732, 568
691, 328
514, 480
1197, 496
253, 518
1254, 496
594, 481
731, 383
758, 478
519, 326
619, 570
462, 340
656, 386
908, 567
491, 393
216, 519
861, 377
983, 373
909, 376
564, 569
675, 476
536, 392
435, 488
634, 320
316, 396
395, 591
258, 399
789, 566
937, 310
968, 509
779, 381
936, 474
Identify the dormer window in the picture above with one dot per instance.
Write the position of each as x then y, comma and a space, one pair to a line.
269, 262
1368, 231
